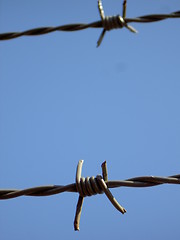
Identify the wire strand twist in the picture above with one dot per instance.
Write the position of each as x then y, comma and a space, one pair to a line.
107, 23
90, 186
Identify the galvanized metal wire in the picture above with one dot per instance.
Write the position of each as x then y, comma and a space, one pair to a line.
107, 23
100, 184
90, 186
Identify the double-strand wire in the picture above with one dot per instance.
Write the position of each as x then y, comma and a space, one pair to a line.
107, 23
90, 186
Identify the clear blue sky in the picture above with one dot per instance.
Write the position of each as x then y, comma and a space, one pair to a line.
62, 99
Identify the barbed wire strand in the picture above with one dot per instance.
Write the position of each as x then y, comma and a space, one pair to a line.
90, 186
107, 23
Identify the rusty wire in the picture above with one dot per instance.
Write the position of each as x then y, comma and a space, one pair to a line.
107, 23
90, 186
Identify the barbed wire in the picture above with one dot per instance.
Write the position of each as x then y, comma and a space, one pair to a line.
107, 23
90, 186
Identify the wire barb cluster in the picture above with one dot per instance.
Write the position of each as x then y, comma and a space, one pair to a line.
107, 23
112, 22
90, 186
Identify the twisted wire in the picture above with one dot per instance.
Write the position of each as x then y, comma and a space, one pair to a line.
106, 22
90, 186
42, 191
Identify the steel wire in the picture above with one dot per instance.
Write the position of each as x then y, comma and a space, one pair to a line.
90, 186
41, 191
112, 23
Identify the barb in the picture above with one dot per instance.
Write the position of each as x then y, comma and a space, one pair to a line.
107, 23
90, 186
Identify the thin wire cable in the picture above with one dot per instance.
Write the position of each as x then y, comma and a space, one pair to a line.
90, 186
112, 22
41, 191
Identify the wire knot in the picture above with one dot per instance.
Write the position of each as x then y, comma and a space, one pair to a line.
90, 186
112, 22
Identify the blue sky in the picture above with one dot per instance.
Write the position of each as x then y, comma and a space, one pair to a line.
62, 99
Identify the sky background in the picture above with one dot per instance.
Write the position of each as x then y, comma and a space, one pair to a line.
62, 100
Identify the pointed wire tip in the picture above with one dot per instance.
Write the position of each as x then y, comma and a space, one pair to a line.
132, 29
